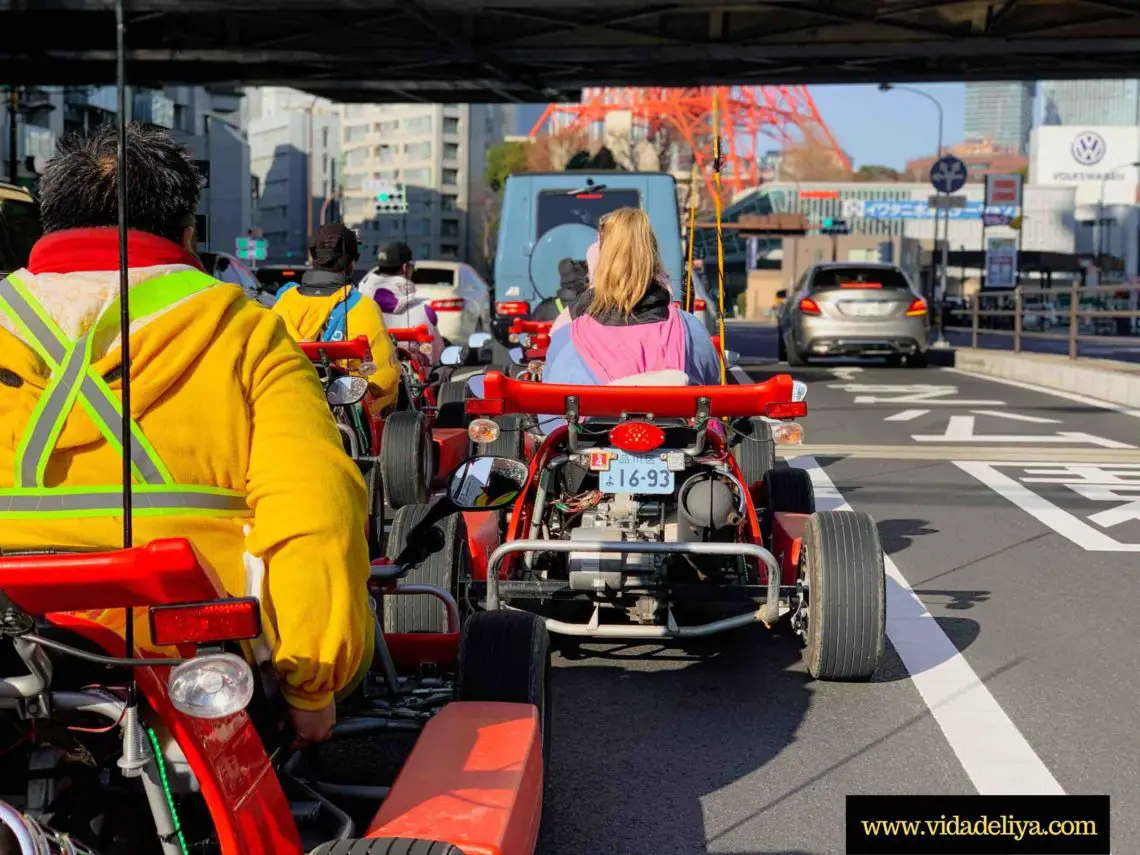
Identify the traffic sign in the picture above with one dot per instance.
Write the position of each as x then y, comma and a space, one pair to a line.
946, 203
996, 220
948, 174
834, 227
252, 249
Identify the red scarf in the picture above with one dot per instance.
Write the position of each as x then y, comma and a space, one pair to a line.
85, 250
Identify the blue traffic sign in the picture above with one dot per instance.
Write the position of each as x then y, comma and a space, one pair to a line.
948, 174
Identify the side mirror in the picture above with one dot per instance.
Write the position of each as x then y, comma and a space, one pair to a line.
782, 294
731, 358
485, 483
517, 355
346, 390
454, 355
479, 340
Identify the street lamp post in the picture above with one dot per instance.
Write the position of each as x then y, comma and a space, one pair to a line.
945, 217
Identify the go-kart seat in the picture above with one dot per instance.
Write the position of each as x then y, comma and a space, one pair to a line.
474, 779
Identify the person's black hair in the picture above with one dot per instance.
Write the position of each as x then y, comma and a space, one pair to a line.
79, 186
334, 248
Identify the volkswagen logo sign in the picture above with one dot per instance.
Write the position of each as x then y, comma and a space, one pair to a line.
1089, 148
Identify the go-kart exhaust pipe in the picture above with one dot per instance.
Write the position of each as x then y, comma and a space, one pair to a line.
31, 838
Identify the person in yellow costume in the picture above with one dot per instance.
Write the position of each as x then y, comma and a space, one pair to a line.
326, 307
234, 447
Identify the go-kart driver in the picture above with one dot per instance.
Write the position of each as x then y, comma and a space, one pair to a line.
325, 307
574, 276
235, 447
626, 324
390, 284
580, 298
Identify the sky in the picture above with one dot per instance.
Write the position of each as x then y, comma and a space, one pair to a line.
889, 128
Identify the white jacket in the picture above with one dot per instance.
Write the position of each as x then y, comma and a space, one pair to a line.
401, 307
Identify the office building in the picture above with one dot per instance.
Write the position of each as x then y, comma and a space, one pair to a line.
438, 151
1091, 102
1001, 113
291, 132
201, 118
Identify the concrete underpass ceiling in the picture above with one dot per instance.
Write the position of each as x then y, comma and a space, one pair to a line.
519, 50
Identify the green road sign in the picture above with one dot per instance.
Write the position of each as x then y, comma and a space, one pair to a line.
252, 249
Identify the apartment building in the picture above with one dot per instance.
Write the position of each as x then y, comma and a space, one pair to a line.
438, 152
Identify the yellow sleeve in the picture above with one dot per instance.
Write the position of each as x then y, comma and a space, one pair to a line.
309, 502
385, 381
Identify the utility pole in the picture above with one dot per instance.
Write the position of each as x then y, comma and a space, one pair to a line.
309, 180
13, 136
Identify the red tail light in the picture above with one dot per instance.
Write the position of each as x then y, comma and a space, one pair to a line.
917, 307
454, 305
513, 308
860, 284
698, 305
809, 306
637, 436
786, 410
206, 623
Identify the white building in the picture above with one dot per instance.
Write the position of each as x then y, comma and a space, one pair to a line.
289, 133
438, 152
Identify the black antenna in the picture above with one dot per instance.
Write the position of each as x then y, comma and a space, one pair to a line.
124, 297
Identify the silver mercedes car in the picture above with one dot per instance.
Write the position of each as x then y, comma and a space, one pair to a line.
854, 309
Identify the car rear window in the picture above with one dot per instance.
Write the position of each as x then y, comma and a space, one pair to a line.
557, 208
433, 276
859, 278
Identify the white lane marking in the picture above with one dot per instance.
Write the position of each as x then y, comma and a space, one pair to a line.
988, 745
845, 373
1016, 417
1065, 524
925, 394
906, 416
741, 375
1056, 393
961, 429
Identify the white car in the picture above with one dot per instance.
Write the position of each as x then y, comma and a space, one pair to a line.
226, 268
459, 295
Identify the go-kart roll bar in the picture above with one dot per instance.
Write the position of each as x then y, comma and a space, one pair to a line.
419, 334
525, 326
502, 395
356, 348
769, 614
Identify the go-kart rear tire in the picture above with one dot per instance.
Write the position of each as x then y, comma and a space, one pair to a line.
756, 452
387, 846
789, 491
842, 559
505, 656
405, 453
451, 399
440, 560
511, 441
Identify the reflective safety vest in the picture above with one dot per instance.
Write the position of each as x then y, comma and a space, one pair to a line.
73, 379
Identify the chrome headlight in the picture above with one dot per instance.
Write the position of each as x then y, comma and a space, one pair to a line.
212, 686
346, 390
799, 390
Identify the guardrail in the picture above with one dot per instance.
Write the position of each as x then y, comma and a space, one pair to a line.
1055, 308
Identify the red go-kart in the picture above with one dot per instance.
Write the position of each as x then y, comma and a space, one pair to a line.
177, 747
660, 513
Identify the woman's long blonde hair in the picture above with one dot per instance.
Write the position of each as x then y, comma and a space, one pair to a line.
628, 262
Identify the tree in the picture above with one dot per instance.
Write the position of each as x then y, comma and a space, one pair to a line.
874, 172
811, 160
504, 160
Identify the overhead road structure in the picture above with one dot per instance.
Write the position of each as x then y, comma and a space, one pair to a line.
516, 50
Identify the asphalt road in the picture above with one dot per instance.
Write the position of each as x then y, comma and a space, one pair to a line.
1011, 525
1128, 351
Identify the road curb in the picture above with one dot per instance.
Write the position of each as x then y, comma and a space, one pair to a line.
1102, 380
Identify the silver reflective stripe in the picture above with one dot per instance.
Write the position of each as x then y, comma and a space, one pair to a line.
172, 501
106, 408
53, 412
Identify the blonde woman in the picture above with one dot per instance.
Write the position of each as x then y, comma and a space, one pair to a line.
626, 325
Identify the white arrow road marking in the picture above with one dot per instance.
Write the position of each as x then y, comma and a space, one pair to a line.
922, 393
1017, 417
906, 416
961, 429
845, 373
988, 745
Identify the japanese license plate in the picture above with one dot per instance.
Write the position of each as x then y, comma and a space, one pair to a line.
635, 473
864, 308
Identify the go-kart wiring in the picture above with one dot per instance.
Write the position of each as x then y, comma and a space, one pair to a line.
160, 762
579, 503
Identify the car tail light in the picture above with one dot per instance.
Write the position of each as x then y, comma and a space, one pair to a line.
206, 623
698, 305
808, 306
637, 436
786, 410
453, 305
917, 307
861, 285
519, 307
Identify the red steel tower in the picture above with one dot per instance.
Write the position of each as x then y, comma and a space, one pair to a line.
786, 115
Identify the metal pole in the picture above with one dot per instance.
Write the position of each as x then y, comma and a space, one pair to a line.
13, 137
309, 182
